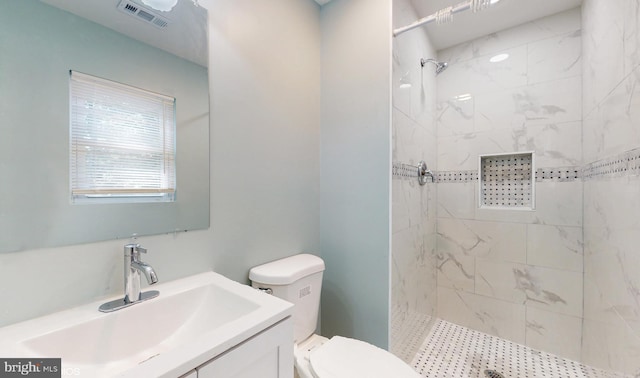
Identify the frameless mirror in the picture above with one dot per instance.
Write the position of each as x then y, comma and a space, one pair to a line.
40, 42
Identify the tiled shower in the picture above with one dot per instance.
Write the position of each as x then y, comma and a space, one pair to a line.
563, 278
413, 251
514, 273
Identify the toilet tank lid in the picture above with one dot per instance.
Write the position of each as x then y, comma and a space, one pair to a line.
288, 270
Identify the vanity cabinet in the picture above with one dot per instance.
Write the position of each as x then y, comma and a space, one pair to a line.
268, 354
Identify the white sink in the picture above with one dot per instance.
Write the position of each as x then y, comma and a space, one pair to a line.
193, 320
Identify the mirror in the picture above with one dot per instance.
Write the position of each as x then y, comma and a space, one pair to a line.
41, 41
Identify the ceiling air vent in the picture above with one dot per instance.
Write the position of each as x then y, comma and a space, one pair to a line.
143, 14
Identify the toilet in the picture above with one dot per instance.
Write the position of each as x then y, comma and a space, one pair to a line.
298, 279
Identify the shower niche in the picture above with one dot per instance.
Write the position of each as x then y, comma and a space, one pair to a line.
507, 181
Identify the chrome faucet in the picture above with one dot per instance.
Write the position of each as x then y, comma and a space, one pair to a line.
133, 266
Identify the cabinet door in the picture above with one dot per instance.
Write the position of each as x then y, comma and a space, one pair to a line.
268, 354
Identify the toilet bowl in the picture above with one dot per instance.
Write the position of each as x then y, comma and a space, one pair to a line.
298, 279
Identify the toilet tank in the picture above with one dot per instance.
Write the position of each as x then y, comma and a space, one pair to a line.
296, 279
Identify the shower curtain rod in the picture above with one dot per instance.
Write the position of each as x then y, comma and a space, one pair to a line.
466, 5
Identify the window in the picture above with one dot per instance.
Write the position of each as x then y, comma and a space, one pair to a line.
122, 142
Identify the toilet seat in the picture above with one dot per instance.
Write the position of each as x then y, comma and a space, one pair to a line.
341, 357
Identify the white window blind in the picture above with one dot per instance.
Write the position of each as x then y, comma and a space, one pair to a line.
122, 142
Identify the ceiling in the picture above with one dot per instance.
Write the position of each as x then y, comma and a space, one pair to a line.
467, 25
180, 38
185, 35
502, 15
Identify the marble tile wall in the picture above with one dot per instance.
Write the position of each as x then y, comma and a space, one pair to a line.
413, 271
611, 105
515, 274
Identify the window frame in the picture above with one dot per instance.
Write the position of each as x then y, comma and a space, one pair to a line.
101, 171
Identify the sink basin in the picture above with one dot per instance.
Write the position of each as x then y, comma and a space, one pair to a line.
193, 320
171, 320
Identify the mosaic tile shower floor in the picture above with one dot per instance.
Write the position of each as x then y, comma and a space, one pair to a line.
453, 351
408, 331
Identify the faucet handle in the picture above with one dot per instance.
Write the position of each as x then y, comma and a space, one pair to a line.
133, 249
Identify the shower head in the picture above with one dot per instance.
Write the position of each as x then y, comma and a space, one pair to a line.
440, 66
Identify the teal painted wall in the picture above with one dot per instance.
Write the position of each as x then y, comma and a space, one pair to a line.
355, 162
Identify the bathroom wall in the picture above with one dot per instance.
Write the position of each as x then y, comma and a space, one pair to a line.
611, 143
265, 111
265, 87
413, 269
516, 274
355, 180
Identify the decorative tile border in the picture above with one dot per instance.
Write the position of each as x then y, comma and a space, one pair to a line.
542, 174
558, 174
456, 176
402, 170
624, 164
621, 165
